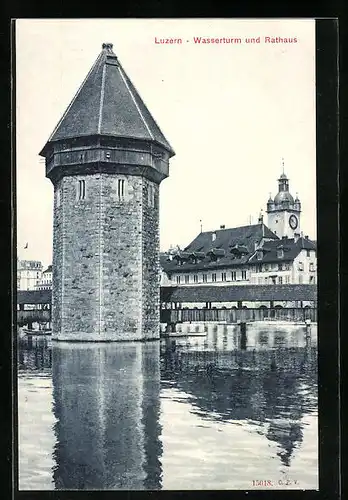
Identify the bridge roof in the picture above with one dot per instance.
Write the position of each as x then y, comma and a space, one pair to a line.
234, 293
34, 296
205, 293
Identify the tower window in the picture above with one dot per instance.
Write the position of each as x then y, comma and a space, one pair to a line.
195, 278
213, 277
151, 195
204, 278
223, 276
244, 275
81, 190
120, 188
233, 275
187, 278
58, 199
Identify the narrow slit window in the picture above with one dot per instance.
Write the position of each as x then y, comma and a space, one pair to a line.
58, 197
81, 190
151, 196
120, 188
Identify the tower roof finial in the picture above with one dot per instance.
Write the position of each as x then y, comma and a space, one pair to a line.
107, 46
283, 164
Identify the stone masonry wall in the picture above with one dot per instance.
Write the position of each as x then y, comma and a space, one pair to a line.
151, 266
57, 260
80, 257
122, 258
106, 259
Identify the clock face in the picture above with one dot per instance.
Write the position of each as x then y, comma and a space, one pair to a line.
293, 222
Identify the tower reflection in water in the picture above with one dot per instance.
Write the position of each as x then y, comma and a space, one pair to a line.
106, 401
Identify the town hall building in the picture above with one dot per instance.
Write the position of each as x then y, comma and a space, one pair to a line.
276, 253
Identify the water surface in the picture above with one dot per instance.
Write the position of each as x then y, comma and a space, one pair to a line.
214, 412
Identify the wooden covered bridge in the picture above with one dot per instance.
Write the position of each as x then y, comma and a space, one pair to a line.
228, 303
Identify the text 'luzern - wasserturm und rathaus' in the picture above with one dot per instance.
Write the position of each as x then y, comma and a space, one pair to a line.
199, 40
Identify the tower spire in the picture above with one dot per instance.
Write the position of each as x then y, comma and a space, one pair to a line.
283, 165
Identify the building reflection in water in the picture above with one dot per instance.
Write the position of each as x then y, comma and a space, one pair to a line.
106, 401
271, 388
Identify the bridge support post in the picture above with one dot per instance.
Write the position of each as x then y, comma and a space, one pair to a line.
243, 334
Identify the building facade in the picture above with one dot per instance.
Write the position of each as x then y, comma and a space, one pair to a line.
29, 274
106, 159
254, 254
46, 280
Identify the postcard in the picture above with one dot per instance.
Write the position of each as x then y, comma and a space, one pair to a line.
166, 254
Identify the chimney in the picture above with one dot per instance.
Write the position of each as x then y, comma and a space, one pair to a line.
301, 234
213, 236
222, 226
284, 237
296, 237
307, 237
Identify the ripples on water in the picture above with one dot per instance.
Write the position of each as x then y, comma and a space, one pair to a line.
189, 413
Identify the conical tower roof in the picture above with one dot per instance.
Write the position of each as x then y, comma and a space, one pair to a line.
108, 104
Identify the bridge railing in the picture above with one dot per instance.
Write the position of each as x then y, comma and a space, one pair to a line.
234, 315
35, 316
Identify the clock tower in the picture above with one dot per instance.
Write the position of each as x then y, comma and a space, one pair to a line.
284, 211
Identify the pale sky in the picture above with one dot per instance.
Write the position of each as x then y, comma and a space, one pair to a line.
230, 111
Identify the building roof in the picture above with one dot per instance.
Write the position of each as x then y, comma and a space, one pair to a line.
232, 293
108, 104
291, 249
49, 269
283, 196
34, 296
231, 247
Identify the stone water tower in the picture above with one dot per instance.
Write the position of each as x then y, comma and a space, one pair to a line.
106, 159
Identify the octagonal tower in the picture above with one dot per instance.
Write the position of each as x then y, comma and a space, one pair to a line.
106, 159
